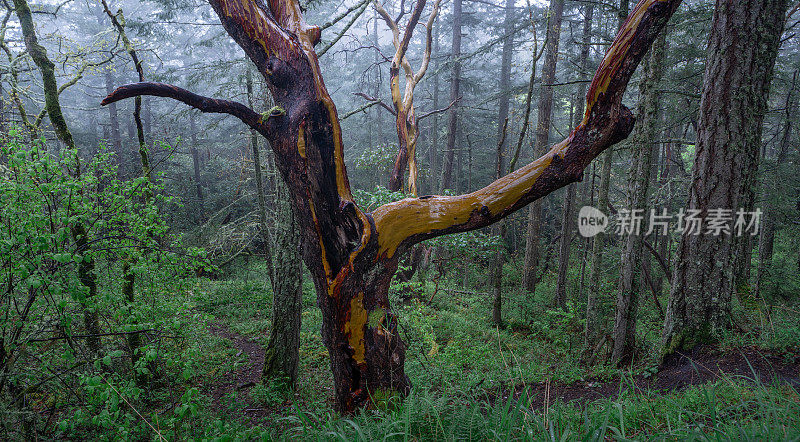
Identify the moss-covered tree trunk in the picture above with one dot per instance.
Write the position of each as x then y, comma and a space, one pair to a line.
631, 281
744, 42
282, 357
86, 273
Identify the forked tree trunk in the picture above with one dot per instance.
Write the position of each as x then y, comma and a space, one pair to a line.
744, 42
350, 254
545, 109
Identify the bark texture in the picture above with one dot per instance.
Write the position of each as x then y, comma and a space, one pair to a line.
282, 357
744, 42
644, 136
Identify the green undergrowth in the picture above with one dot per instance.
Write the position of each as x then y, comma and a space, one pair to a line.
726, 410
458, 362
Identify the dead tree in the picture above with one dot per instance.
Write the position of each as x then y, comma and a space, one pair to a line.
405, 115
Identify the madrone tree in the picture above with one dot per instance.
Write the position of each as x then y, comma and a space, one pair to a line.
352, 254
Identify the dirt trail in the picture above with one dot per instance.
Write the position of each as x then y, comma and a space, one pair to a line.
679, 372
240, 380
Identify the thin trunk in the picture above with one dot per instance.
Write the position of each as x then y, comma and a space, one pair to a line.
86, 273
198, 184
594, 322
767, 237
569, 200
116, 141
452, 114
631, 283
545, 108
129, 278
434, 134
377, 95
745, 37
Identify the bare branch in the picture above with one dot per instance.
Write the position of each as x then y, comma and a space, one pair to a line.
384, 105
360, 109
344, 14
438, 111
199, 102
347, 27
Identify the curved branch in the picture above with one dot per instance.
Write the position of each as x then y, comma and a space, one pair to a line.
606, 122
199, 102
437, 111
377, 101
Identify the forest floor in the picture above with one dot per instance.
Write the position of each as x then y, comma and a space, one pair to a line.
526, 377
699, 366
683, 370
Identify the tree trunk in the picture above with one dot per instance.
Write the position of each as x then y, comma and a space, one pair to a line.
744, 41
198, 184
594, 295
545, 110
350, 254
645, 133
502, 130
116, 140
434, 131
282, 357
452, 113
767, 237
86, 273
566, 221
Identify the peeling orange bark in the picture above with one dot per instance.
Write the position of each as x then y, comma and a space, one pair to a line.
353, 255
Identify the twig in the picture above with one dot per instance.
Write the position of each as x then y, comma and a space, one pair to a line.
133, 408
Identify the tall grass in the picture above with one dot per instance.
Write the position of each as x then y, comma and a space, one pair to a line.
729, 409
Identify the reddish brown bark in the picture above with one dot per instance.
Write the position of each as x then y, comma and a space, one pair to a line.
351, 254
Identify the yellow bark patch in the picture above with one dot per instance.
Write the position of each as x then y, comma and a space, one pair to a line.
301, 142
354, 327
412, 216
